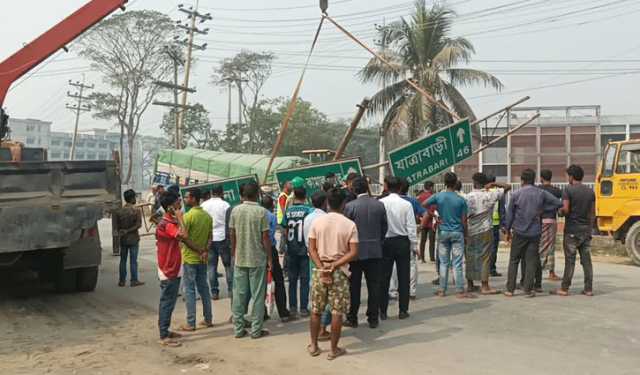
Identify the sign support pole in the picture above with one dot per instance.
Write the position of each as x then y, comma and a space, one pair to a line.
354, 124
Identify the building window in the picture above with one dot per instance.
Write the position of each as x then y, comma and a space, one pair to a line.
104, 145
91, 156
582, 143
495, 156
495, 170
80, 156
103, 156
55, 142
91, 145
66, 155
31, 128
614, 129
80, 144
55, 155
67, 144
31, 141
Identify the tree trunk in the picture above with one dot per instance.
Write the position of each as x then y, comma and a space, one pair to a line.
382, 154
130, 142
121, 147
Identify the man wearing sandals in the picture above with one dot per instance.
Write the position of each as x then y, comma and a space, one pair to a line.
481, 202
333, 243
198, 227
578, 204
251, 248
168, 237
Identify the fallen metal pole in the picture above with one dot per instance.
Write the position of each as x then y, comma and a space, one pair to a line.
427, 96
379, 165
501, 110
354, 124
506, 134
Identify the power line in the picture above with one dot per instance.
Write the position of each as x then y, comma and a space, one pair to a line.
568, 83
271, 9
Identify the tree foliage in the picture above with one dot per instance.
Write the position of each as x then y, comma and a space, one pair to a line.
249, 71
128, 49
421, 48
309, 129
197, 130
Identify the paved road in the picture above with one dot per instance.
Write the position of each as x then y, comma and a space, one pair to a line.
112, 331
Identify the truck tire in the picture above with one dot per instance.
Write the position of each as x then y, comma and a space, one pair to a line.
633, 243
66, 280
87, 279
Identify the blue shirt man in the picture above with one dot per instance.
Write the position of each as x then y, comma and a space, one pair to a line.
452, 209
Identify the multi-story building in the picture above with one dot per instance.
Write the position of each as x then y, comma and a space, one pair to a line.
560, 137
96, 144
31, 132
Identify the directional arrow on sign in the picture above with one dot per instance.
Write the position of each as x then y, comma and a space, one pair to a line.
460, 134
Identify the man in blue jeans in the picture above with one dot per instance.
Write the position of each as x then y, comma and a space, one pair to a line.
451, 237
128, 221
168, 238
218, 208
297, 254
197, 227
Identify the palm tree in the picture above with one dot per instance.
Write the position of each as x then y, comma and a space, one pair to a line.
421, 49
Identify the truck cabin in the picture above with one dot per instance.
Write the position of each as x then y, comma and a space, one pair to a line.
618, 187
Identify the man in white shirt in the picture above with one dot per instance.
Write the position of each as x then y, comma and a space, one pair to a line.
217, 208
401, 238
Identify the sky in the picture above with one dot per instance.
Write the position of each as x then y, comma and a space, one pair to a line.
559, 52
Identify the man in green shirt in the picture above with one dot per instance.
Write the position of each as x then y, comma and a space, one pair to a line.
251, 249
198, 228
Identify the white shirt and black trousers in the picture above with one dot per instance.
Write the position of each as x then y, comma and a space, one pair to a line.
371, 220
400, 238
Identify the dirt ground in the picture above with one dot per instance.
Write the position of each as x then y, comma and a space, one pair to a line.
114, 331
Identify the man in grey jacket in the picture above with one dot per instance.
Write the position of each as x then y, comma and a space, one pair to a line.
371, 220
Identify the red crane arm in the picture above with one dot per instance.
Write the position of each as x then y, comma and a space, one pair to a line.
56, 38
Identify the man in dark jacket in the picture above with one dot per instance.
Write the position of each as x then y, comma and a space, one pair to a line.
128, 221
371, 221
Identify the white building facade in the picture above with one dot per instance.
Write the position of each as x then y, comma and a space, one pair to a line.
96, 144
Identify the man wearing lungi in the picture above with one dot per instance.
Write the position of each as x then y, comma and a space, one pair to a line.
481, 202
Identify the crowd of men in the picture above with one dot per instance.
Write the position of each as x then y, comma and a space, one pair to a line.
346, 233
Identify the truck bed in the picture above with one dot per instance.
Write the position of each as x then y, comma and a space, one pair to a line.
49, 205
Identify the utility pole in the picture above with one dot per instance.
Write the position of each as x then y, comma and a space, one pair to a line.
382, 149
229, 104
78, 108
178, 61
190, 27
240, 100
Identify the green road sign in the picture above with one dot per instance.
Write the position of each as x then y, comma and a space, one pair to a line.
314, 174
230, 186
433, 154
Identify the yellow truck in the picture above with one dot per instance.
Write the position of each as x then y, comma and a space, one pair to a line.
618, 195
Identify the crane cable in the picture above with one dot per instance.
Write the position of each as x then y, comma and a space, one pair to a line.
293, 103
410, 81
